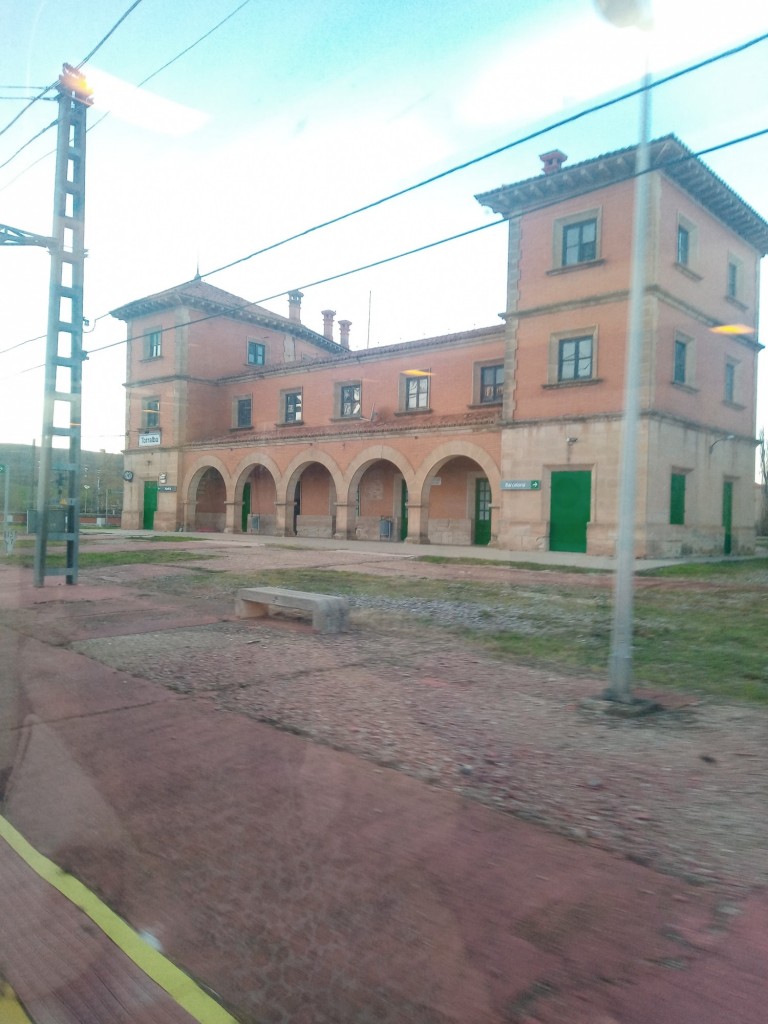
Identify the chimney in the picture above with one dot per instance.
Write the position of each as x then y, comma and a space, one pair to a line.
294, 306
553, 161
328, 315
344, 326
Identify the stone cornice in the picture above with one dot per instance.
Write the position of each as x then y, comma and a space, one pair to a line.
667, 155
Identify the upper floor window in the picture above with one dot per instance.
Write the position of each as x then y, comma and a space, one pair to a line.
729, 393
574, 358
153, 344
733, 278
292, 406
257, 353
150, 413
243, 412
491, 383
579, 242
417, 390
680, 368
350, 395
683, 245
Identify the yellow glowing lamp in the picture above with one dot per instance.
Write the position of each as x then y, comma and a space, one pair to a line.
732, 329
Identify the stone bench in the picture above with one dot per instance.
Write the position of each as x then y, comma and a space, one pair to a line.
329, 614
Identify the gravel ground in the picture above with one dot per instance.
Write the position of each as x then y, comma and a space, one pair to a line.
683, 791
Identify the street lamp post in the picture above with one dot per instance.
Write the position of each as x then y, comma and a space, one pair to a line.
630, 13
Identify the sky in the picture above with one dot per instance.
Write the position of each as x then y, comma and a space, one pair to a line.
290, 114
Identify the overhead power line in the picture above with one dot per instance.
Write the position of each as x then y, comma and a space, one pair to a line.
23, 110
103, 39
144, 81
29, 142
386, 259
48, 88
495, 152
431, 245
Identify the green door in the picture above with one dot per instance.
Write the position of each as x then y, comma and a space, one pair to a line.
150, 504
727, 516
246, 508
569, 510
482, 512
403, 511
296, 507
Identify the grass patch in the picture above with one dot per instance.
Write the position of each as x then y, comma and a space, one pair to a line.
171, 538
707, 636
709, 640
533, 566
719, 571
97, 559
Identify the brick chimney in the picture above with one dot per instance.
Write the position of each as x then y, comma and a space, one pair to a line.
294, 306
344, 326
553, 161
328, 315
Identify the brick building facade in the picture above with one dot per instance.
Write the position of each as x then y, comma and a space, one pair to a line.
241, 420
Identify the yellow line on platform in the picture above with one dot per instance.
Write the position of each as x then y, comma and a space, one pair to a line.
11, 1011
179, 986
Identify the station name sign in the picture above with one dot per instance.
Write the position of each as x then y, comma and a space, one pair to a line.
521, 485
149, 440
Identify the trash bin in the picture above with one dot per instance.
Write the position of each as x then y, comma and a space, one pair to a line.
385, 529
255, 524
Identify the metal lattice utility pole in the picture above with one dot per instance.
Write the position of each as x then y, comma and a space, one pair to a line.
64, 350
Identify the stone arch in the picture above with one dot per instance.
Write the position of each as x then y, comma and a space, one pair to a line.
195, 473
308, 511
245, 465
209, 512
371, 505
459, 510
366, 458
453, 450
297, 466
255, 510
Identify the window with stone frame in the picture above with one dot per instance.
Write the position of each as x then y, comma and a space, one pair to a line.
350, 400
150, 413
256, 353
579, 242
153, 343
292, 406
243, 411
416, 391
491, 383
575, 359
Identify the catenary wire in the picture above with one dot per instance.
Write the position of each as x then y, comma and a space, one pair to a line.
103, 39
495, 152
29, 142
138, 86
388, 259
48, 88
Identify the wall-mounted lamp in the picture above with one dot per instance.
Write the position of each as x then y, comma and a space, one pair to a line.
726, 437
571, 440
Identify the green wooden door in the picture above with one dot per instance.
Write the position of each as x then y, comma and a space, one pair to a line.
403, 511
727, 516
150, 504
569, 510
246, 511
482, 512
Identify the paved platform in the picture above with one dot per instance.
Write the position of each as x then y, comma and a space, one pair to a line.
302, 884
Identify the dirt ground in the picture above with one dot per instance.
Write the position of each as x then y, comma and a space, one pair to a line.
430, 730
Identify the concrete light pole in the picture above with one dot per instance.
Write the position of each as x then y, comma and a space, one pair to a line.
623, 14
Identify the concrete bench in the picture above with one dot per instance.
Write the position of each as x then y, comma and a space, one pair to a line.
329, 614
